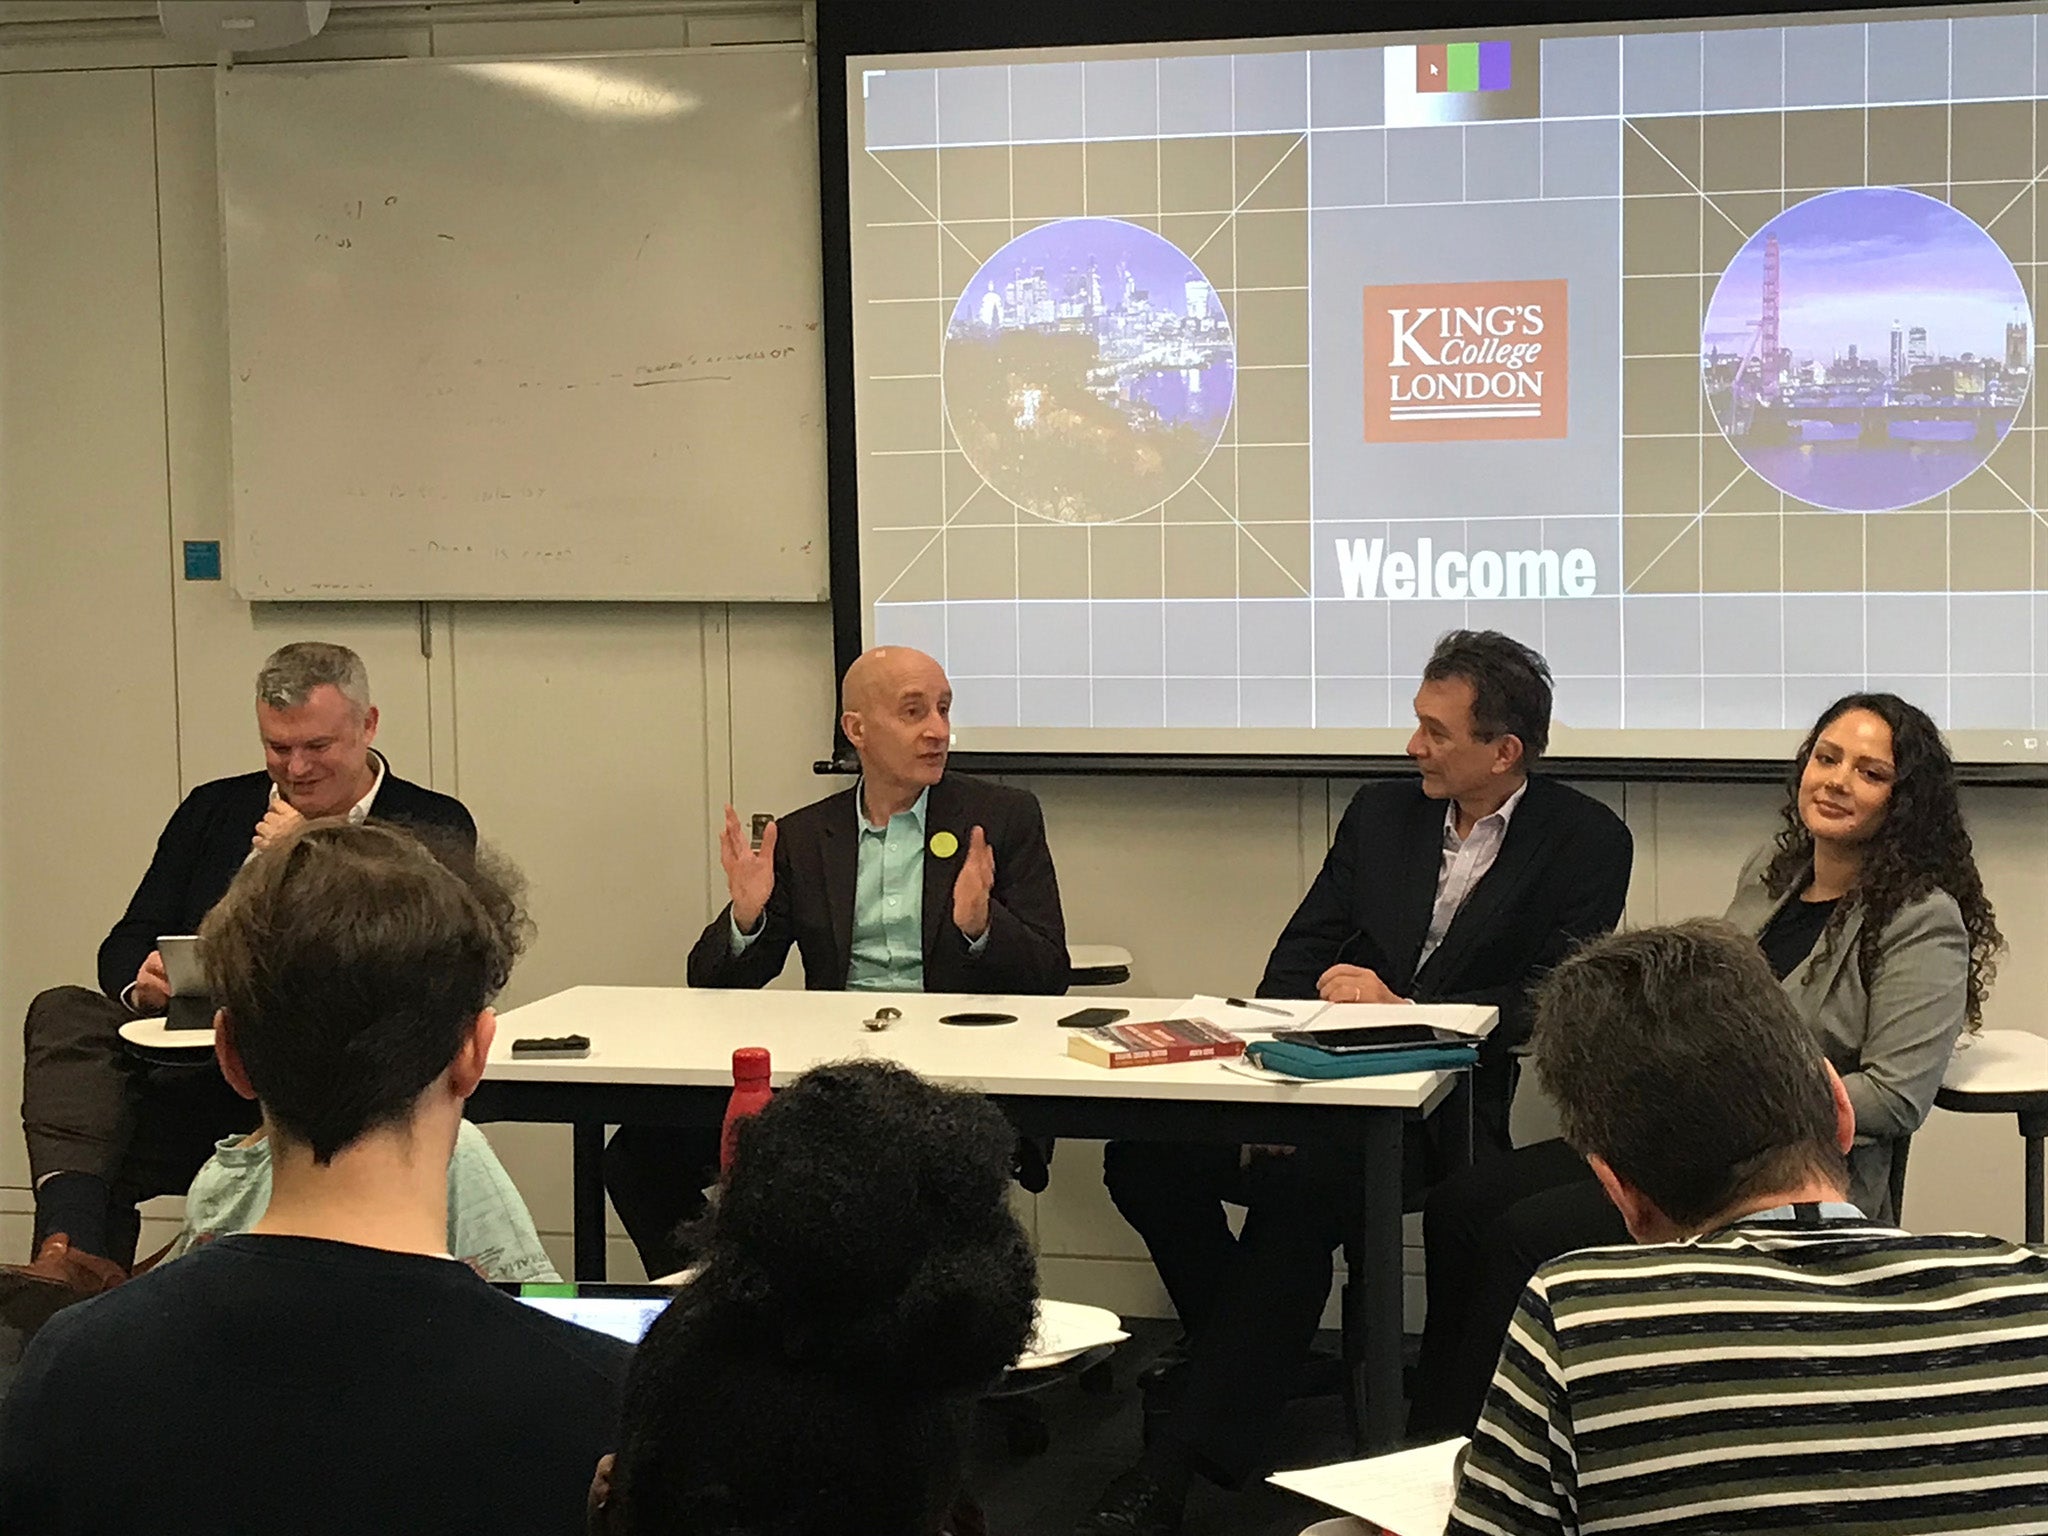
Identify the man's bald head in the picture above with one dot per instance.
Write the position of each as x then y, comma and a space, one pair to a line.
896, 709
877, 676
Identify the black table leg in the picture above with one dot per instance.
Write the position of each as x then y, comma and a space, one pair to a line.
586, 1219
2035, 1181
1372, 1293
1456, 1115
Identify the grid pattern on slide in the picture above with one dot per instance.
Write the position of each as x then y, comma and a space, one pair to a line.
1738, 607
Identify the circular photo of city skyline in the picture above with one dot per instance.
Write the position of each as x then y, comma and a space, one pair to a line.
1089, 369
1867, 349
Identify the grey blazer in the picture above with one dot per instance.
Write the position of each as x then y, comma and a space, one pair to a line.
1890, 1042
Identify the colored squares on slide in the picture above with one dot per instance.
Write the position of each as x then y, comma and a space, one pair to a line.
1485, 82
1461, 67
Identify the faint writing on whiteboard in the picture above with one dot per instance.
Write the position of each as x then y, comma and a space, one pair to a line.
712, 359
444, 493
498, 552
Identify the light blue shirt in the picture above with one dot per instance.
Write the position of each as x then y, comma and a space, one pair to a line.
888, 903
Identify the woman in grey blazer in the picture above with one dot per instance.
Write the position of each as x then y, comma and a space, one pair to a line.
1869, 907
1874, 863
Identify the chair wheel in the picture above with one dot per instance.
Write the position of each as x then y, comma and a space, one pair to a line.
1027, 1437
1098, 1380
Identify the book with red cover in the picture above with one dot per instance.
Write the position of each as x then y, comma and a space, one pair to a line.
1153, 1043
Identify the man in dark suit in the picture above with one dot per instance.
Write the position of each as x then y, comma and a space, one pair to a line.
106, 1131
914, 880
1462, 888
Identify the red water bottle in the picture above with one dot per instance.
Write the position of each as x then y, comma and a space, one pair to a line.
750, 1095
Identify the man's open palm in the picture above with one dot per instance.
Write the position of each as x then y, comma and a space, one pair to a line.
749, 873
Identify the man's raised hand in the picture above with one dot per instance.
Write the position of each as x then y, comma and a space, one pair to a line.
749, 874
973, 885
276, 822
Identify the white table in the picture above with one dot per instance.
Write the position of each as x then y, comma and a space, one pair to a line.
663, 1056
2005, 1071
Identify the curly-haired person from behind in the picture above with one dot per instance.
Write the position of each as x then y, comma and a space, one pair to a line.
332, 1370
863, 1282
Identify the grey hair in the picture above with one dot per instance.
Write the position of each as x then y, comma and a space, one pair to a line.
291, 673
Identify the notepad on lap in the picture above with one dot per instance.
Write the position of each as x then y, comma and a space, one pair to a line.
1153, 1043
1409, 1493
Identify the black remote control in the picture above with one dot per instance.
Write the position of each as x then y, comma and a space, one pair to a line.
558, 1045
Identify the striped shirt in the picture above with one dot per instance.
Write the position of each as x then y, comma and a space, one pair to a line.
1771, 1377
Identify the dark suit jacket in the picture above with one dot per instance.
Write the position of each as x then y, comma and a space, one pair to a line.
1561, 877
205, 844
817, 850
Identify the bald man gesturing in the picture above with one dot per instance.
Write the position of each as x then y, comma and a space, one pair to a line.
914, 880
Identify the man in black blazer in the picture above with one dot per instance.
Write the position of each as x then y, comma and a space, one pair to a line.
106, 1131
1460, 888
914, 880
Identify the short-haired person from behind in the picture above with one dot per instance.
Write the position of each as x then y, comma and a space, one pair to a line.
333, 1369
105, 1130
1869, 908
1769, 1359
863, 1280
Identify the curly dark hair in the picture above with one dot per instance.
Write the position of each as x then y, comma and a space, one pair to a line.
1920, 846
863, 1281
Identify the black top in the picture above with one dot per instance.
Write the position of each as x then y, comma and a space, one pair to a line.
205, 844
285, 1384
1788, 938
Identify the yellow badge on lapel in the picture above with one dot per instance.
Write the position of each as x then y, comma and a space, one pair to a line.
945, 845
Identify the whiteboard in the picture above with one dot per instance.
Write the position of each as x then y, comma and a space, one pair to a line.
539, 328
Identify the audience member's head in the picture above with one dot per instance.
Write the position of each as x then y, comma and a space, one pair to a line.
1874, 780
314, 714
1685, 1075
864, 1279
354, 969
1482, 713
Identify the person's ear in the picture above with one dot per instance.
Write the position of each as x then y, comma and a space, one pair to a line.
1646, 1224
853, 728
1507, 752
467, 1069
1845, 1112
229, 1055
597, 1504
369, 725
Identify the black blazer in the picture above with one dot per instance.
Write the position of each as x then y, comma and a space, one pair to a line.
1561, 877
205, 844
817, 850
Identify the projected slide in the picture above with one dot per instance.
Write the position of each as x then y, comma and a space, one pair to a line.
1198, 393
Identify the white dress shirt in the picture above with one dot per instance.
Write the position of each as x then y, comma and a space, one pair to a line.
1465, 863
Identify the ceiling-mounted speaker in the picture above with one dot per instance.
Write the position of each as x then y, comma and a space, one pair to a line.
241, 26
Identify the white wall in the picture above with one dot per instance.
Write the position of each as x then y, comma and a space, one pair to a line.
594, 743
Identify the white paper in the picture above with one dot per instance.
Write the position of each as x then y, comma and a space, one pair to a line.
1409, 1493
1255, 1017
1065, 1329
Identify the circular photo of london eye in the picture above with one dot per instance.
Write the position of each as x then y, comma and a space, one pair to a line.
1089, 370
1867, 349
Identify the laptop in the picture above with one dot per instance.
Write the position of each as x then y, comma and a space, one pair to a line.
190, 1006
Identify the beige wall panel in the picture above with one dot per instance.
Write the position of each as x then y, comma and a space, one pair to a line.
580, 737
88, 710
